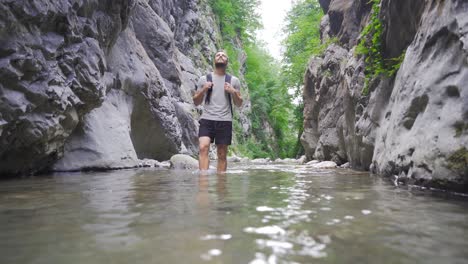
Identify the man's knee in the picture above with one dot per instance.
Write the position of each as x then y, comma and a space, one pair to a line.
222, 152
204, 148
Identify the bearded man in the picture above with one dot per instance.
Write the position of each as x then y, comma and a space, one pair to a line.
217, 91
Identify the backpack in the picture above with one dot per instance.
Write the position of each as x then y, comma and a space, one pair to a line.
227, 78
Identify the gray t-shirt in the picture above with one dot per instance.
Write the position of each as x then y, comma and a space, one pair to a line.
219, 108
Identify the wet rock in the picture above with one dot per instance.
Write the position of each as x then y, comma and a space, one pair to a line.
233, 159
345, 166
261, 161
287, 161
100, 84
312, 162
150, 163
408, 125
323, 165
245, 160
419, 136
185, 162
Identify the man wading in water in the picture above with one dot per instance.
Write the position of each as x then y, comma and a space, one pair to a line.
218, 91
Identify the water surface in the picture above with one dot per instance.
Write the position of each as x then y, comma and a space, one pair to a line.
253, 214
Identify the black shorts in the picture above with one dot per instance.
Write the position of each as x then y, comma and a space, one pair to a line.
220, 132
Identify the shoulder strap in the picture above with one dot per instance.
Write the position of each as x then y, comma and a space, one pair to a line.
228, 79
209, 78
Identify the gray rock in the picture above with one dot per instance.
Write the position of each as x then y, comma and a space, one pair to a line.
324, 165
185, 162
347, 19
70, 72
260, 161
150, 163
413, 125
233, 159
312, 162
345, 166
424, 131
52, 72
302, 159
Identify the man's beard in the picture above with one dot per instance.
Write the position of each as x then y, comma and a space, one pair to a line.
221, 66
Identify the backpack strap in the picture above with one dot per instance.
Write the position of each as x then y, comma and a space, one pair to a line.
209, 78
228, 79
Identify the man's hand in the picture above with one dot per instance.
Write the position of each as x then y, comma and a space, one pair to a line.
228, 88
198, 97
236, 96
207, 86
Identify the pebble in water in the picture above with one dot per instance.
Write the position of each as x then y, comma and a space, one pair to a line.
349, 217
366, 212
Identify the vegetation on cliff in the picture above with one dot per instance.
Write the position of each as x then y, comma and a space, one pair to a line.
371, 47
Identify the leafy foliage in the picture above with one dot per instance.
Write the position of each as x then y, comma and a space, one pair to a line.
371, 47
271, 103
302, 41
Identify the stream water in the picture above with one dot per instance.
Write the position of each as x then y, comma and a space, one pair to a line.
253, 214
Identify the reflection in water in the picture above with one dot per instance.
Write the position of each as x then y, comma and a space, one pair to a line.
109, 199
252, 214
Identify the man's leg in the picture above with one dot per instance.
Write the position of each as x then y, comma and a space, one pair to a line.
222, 157
203, 159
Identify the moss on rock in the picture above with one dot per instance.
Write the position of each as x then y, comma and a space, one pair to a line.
458, 162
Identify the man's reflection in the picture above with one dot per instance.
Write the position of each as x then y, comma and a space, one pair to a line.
204, 181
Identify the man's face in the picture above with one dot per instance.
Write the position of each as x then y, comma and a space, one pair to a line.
221, 57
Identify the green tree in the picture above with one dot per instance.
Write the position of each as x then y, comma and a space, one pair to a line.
302, 41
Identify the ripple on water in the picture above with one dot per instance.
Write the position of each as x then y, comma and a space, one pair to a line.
210, 254
265, 230
216, 237
264, 209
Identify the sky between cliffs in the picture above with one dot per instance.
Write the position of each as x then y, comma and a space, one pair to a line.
273, 13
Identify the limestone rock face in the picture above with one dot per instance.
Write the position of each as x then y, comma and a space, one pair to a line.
426, 120
100, 84
346, 18
53, 71
413, 125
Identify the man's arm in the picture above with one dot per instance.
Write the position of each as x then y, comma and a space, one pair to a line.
200, 94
